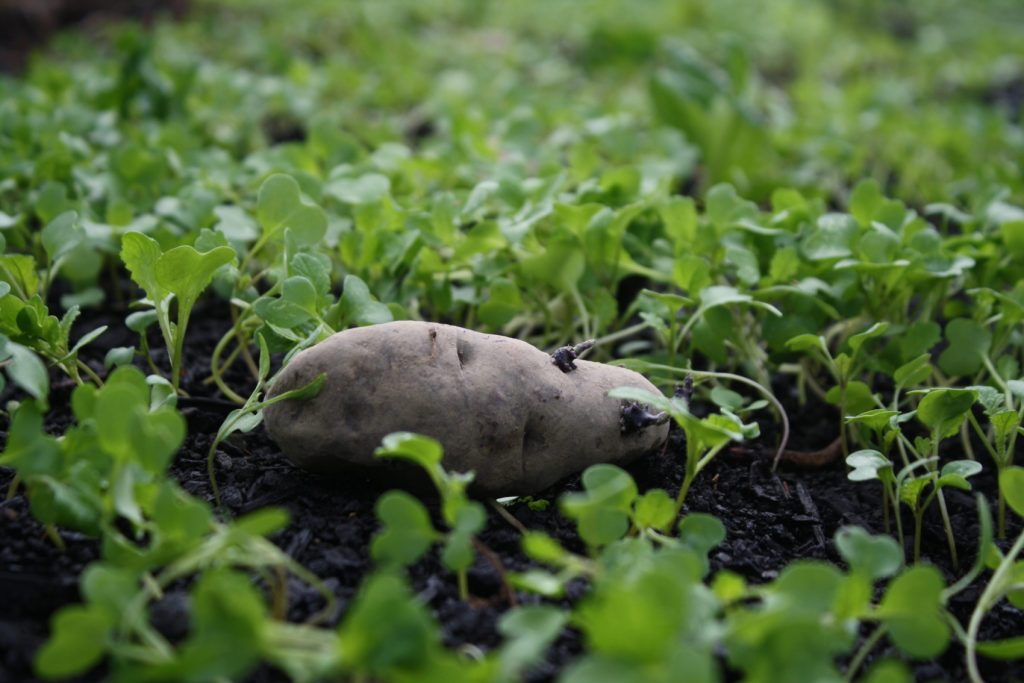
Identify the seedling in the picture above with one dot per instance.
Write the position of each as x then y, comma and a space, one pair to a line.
705, 438
250, 415
408, 533
180, 274
1007, 582
849, 394
1001, 437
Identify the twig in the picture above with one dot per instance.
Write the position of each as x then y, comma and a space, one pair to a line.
499, 567
507, 516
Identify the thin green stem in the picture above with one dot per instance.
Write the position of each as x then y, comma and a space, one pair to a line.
998, 379
89, 371
982, 436
865, 649
12, 490
918, 519
950, 540
55, 537
990, 596
621, 334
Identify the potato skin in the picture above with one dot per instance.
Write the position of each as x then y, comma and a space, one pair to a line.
498, 405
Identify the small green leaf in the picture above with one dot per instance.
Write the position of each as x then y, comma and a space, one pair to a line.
26, 370
832, 238
944, 410
721, 295
1009, 649
386, 629
602, 510
701, 532
528, 631
654, 510
968, 344
365, 189
540, 547
1011, 484
185, 272
458, 554
888, 671
280, 205
878, 557
912, 609
1013, 237
263, 522
877, 419
809, 342
540, 582
78, 641
503, 303
867, 464
876, 330
140, 254
359, 307
913, 372
407, 531
61, 235
422, 450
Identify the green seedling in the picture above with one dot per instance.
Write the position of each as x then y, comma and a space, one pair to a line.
713, 318
705, 438
109, 466
178, 275
1007, 582
700, 375
250, 414
943, 412
850, 394
231, 628
405, 532
868, 464
1000, 439
25, 320
25, 369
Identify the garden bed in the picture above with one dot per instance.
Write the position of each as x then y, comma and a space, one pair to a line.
771, 518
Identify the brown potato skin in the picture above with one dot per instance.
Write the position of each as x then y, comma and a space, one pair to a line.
498, 405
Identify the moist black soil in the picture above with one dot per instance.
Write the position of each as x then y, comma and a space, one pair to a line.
772, 518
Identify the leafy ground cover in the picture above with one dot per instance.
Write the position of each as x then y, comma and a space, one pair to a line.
805, 224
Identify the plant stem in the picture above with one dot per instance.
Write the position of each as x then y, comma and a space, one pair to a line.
89, 371
949, 531
865, 649
621, 334
13, 488
918, 519
885, 507
895, 496
507, 516
55, 537
992, 593
463, 579
982, 436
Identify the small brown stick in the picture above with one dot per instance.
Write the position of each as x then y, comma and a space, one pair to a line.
813, 460
495, 561
507, 516
812, 511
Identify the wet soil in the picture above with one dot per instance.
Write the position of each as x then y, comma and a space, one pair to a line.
771, 519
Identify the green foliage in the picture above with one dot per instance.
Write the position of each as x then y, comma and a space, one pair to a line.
405, 518
179, 274
763, 193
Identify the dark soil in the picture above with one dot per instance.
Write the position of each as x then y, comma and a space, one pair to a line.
771, 518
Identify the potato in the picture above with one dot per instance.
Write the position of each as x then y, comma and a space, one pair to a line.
498, 405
